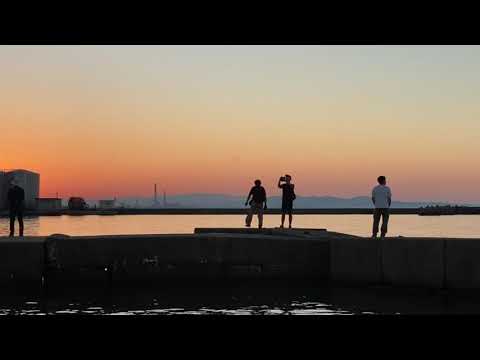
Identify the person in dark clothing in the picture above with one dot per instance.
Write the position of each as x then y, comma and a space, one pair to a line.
257, 204
16, 205
288, 195
382, 200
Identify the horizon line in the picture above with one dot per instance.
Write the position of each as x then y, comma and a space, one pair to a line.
279, 196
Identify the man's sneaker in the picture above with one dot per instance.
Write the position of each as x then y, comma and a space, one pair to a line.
247, 225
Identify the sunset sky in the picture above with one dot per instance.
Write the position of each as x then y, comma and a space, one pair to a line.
104, 121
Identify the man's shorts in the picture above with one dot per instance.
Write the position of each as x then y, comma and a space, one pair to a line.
287, 206
257, 207
16, 212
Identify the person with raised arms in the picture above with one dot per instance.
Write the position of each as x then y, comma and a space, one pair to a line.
288, 196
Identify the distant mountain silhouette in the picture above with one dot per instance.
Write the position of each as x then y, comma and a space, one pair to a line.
233, 201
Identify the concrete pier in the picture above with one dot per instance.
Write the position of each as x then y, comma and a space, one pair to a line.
355, 261
414, 262
223, 255
462, 265
201, 256
22, 262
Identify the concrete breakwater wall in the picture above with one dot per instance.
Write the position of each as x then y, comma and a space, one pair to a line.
433, 263
324, 257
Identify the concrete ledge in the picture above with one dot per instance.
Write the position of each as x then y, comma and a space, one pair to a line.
131, 258
61, 280
414, 262
22, 260
295, 232
78, 262
153, 258
268, 254
462, 263
355, 261
79, 251
218, 256
246, 230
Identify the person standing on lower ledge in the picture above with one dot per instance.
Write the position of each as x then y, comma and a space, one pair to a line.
288, 195
257, 204
382, 199
16, 205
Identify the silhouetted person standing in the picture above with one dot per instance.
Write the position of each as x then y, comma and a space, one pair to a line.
257, 204
16, 205
288, 195
382, 199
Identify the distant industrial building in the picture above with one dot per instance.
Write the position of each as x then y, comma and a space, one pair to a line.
49, 203
28, 180
77, 203
165, 204
107, 204
3, 190
155, 201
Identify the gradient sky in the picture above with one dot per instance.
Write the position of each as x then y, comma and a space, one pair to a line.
104, 121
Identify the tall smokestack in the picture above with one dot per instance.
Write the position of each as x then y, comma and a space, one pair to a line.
155, 194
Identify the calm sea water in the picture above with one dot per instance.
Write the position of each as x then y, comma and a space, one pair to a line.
404, 225
176, 302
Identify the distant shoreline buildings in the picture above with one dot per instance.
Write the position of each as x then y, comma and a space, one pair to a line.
156, 204
30, 182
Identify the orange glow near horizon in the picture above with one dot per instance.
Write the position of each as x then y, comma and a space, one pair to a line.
104, 121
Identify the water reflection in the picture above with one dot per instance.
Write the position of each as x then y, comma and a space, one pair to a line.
246, 301
173, 302
404, 225
32, 226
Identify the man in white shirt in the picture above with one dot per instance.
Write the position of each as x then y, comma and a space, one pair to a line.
382, 199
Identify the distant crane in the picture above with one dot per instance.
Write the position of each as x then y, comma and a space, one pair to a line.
167, 204
155, 201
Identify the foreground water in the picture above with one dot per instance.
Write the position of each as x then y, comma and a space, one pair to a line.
244, 301
404, 225
172, 302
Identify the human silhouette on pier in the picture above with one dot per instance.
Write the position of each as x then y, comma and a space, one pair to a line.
288, 196
257, 204
16, 206
382, 199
